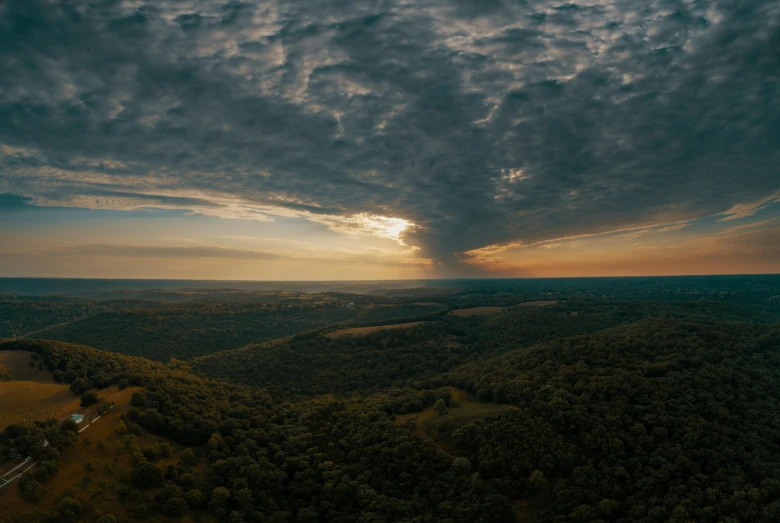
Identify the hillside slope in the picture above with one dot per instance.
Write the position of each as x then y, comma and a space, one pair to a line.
374, 359
23, 315
267, 461
662, 420
196, 329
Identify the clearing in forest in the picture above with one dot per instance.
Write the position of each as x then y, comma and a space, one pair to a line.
536, 303
28, 401
438, 428
95, 474
478, 311
359, 331
31, 395
490, 311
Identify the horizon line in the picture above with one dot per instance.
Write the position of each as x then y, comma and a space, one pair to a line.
470, 278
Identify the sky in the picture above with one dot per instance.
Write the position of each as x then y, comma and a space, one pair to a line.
319, 140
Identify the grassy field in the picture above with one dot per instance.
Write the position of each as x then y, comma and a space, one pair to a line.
490, 311
478, 311
359, 331
535, 304
29, 401
31, 395
439, 428
17, 364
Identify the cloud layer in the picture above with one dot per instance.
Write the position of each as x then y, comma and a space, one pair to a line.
481, 123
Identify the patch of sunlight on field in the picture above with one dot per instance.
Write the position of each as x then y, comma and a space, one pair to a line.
361, 331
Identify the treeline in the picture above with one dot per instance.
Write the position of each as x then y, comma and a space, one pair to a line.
90, 368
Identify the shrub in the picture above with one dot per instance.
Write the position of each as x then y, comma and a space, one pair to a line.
47, 468
30, 489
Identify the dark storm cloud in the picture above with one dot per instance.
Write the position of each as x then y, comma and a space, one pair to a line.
482, 122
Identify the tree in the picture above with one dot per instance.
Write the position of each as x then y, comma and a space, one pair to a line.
461, 466
440, 407
138, 399
175, 507
89, 398
187, 457
147, 474
79, 386
215, 441
537, 480
69, 426
219, 498
47, 468
187, 479
123, 383
193, 497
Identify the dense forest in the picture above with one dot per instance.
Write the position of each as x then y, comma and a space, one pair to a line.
590, 409
162, 331
23, 315
306, 366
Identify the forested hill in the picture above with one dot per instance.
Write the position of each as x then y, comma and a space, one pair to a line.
23, 315
185, 331
662, 420
575, 409
307, 366
323, 460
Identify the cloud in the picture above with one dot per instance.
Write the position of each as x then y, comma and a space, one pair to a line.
744, 210
199, 253
157, 251
448, 125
